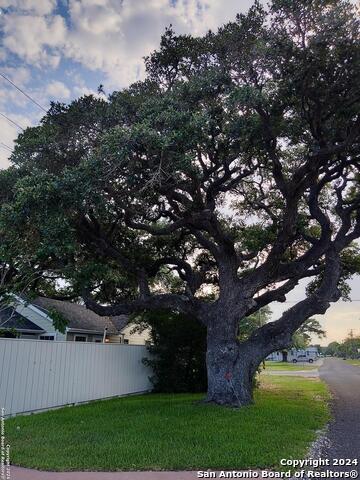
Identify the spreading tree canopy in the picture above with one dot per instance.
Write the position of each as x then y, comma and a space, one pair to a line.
210, 188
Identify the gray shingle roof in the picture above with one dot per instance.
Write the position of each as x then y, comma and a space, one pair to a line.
78, 316
120, 321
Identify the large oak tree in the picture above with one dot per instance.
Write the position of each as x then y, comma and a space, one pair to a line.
210, 188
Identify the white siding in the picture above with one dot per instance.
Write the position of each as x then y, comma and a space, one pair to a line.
135, 338
41, 320
40, 374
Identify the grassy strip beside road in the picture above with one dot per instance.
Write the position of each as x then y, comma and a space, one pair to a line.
175, 432
289, 366
353, 362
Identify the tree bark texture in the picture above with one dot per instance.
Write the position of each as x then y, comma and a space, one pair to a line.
231, 366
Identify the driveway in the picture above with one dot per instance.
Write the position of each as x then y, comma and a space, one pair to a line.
344, 430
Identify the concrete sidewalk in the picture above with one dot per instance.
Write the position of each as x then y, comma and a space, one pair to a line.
18, 473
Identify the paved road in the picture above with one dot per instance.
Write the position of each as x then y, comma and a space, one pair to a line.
344, 431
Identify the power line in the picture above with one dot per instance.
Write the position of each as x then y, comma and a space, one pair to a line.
24, 93
11, 121
6, 149
6, 146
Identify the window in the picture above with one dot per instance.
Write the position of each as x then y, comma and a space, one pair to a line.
80, 338
126, 341
98, 340
47, 337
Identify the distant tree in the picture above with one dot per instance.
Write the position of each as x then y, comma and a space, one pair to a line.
321, 348
248, 325
333, 349
235, 164
350, 347
303, 336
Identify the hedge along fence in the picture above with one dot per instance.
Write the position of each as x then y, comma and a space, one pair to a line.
38, 374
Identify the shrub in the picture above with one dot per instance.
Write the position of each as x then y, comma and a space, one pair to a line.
177, 352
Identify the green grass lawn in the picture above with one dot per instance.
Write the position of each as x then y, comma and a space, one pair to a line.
288, 366
175, 432
353, 362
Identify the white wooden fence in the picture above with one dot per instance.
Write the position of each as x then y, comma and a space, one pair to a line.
38, 374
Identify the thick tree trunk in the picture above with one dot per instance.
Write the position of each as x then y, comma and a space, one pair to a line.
231, 366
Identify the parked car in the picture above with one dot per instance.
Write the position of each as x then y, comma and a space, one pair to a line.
303, 358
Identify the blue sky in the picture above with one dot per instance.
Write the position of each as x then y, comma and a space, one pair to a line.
61, 49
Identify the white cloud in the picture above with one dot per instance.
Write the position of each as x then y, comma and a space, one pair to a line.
57, 90
9, 133
3, 55
19, 75
114, 36
108, 35
35, 39
39, 7
8, 94
97, 18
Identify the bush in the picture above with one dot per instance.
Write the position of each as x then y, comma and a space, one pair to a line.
177, 352
8, 333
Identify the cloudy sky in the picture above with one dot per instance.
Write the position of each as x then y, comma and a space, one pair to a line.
61, 49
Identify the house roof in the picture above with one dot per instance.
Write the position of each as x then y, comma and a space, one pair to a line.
120, 321
79, 317
9, 318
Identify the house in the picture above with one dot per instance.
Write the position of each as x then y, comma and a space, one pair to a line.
32, 320
309, 353
12, 321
